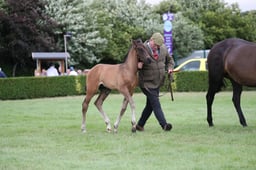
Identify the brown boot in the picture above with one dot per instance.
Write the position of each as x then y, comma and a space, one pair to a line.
139, 128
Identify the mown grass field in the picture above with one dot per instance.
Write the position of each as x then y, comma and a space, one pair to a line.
45, 134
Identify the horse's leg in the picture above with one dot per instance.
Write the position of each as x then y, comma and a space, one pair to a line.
123, 109
237, 90
128, 96
133, 114
84, 110
209, 98
104, 92
132, 105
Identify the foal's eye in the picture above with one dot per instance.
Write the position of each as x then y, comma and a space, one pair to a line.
142, 49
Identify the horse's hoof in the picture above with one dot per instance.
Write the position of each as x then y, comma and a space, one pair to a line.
133, 129
210, 123
245, 125
109, 130
83, 130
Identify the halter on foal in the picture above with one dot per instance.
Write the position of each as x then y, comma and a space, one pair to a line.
122, 77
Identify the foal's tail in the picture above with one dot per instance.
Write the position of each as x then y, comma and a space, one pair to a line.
86, 71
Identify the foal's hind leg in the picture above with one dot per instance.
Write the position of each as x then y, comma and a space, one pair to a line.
104, 92
123, 109
237, 90
84, 110
128, 97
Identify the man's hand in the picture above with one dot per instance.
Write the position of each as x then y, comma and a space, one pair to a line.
170, 76
140, 65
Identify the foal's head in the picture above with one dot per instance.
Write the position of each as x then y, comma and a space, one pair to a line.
141, 50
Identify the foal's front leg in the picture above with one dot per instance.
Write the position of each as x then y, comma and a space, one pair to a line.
123, 109
132, 105
133, 114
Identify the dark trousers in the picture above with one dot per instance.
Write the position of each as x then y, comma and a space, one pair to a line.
152, 104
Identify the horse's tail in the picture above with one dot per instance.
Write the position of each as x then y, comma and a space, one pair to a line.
216, 79
216, 72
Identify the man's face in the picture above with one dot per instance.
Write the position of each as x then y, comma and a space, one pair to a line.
153, 45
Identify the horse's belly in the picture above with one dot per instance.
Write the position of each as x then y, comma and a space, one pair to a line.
244, 76
241, 67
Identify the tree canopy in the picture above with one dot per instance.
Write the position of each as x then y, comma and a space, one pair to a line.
24, 28
102, 30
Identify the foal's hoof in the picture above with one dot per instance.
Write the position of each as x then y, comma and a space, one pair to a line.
133, 129
109, 130
115, 128
83, 130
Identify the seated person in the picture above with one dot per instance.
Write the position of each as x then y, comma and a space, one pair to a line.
52, 71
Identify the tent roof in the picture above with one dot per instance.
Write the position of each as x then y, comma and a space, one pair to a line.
50, 55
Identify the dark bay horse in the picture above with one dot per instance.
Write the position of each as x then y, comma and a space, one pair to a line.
234, 59
122, 77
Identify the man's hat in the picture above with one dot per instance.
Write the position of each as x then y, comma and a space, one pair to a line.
158, 38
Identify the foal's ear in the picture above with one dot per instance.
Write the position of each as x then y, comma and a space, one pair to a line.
134, 42
137, 41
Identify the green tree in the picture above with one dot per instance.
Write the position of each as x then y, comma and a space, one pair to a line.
124, 22
102, 29
78, 18
24, 28
245, 25
187, 36
219, 21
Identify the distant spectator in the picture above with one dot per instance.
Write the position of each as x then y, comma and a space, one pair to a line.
79, 72
44, 72
61, 70
36, 73
72, 72
52, 71
2, 74
67, 72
